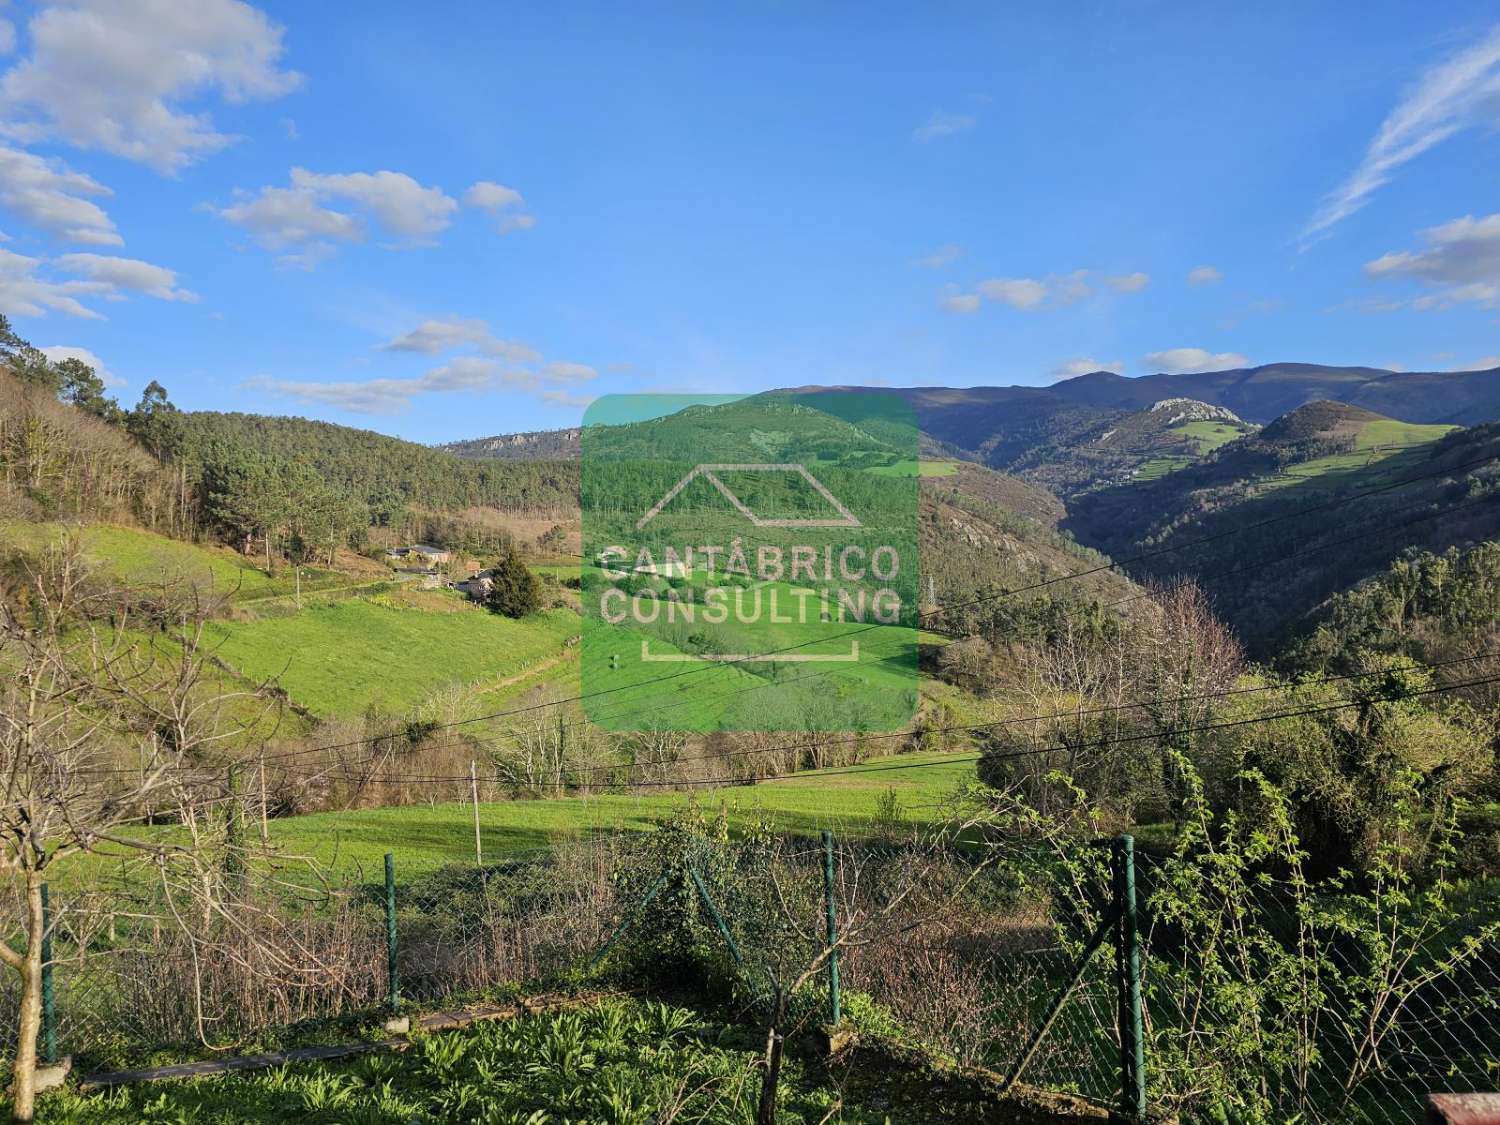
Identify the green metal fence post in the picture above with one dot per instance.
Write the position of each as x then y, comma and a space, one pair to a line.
393, 981
627, 920
49, 998
835, 1006
1128, 976
718, 918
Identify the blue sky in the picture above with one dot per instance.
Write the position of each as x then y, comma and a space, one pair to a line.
449, 221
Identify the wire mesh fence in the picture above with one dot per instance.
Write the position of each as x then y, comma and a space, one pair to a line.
984, 954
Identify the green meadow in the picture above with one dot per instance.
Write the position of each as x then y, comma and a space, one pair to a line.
339, 658
1393, 445
845, 798
137, 556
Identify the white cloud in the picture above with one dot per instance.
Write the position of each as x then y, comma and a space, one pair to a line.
473, 374
116, 75
283, 217
298, 219
942, 124
944, 255
1177, 361
568, 399
1460, 91
559, 371
1462, 259
1057, 289
1483, 363
1128, 283
53, 197
503, 204
462, 373
1084, 365
1017, 292
22, 293
398, 203
1205, 275
434, 336
127, 273
59, 352
961, 302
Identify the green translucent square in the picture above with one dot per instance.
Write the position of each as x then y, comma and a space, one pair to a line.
750, 562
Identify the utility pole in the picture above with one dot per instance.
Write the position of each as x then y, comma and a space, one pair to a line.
474, 793
265, 829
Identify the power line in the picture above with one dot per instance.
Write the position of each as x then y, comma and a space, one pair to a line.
986, 726
1338, 502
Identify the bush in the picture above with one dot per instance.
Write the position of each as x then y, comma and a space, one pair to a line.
514, 590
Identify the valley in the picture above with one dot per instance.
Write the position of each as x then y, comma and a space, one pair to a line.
1126, 612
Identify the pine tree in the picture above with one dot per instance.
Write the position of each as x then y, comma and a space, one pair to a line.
514, 590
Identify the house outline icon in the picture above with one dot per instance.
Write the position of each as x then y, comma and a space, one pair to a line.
708, 471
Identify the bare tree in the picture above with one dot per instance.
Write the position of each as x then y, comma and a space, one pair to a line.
100, 731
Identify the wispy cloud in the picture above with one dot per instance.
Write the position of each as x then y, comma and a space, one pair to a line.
307, 219
30, 286
961, 302
449, 333
503, 204
1462, 260
1084, 365
461, 374
1204, 275
127, 273
1458, 92
1177, 361
1029, 294
942, 124
944, 255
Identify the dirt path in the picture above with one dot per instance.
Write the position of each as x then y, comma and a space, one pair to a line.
533, 671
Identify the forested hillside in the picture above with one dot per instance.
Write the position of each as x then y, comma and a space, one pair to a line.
1274, 524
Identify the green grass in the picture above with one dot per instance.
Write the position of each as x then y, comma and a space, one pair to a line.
422, 837
917, 468
339, 658
1160, 467
137, 556
427, 835
1391, 444
1209, 435
618, 1060
1389, 432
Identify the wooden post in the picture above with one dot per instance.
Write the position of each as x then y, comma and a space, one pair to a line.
265, 828
474, 792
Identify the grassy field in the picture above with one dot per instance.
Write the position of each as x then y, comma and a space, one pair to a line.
1391, 443
1209, 435
919, 468
339, 658
138, 556
427, 835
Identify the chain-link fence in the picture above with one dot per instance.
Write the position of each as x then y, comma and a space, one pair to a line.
1076, 977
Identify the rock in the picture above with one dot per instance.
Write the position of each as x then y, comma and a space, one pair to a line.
51, 1077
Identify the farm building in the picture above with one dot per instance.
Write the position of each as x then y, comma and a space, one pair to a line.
420, 552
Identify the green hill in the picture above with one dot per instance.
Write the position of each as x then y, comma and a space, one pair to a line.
1324, 474
1142, 445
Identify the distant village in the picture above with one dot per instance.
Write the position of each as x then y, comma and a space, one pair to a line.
426, 565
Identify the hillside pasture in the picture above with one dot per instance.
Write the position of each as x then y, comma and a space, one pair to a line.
338, 659
844, 798
1393, 445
